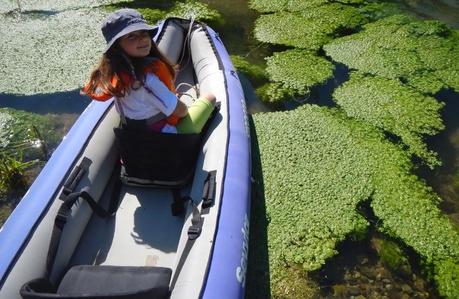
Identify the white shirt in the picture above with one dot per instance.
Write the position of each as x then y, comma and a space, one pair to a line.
141, 104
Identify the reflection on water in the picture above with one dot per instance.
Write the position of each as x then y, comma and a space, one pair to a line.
237, 29
446, 11
359, 272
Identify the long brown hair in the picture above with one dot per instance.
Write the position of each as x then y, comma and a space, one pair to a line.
113, 75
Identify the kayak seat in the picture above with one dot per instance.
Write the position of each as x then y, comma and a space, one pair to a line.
161, 160
157, 159
101, 282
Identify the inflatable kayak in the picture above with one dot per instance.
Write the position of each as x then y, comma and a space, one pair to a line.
82, 232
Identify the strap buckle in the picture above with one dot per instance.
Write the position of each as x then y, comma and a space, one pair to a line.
61, 218
194, 232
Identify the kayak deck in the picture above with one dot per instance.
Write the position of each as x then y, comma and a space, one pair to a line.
142, 233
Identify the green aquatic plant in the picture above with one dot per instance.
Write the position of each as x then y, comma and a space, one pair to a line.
274, 94
446, 274
395, 108
255, 72
335, 17
50, 5
156, 11
266, 6
318, 165
152, 15
298, 70
421, 53
408, 211
392, 255
289, 29
308, 29
292, 74
193, 9
18, 133
12, 173
312, 187
378, 10
46, 55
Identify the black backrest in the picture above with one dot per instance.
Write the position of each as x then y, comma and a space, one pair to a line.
158, 156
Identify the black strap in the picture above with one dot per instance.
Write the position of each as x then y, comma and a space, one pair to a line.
197, 221
61, 219
194, 231
59, 223
101, 212
75, 177
69, 197
208, 192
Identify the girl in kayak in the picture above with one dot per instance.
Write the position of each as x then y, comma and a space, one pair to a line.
141, 79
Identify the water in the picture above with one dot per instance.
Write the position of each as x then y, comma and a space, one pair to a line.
445, 179
446, 11
357, 270
236, 31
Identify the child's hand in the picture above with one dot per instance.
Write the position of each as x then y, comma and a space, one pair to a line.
209, 97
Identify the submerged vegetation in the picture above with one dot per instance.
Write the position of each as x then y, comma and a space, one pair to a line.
257, 74
21, 132
22, 148
320, 164
12, 174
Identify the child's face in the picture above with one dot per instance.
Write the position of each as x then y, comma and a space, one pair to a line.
136, 43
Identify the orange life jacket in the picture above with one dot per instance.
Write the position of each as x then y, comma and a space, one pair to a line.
157, 67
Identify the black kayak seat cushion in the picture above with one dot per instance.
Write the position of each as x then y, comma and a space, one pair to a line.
100, 282
158, 156
154, 159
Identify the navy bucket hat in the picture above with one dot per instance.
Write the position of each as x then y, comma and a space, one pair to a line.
122, 22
